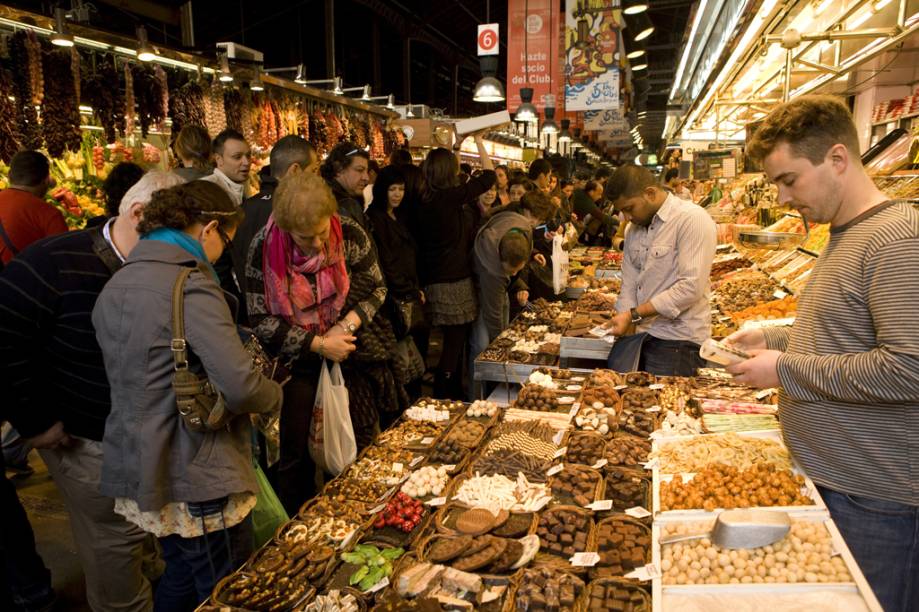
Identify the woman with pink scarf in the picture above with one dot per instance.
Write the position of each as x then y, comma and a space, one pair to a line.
314, 291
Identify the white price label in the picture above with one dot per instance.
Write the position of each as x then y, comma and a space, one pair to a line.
780, 295
620, 387
656, 386
557, 438
609, 339
585, 559
646, 573
382, 584
574, 410
603, 504
555, 469
653, 409
397, 467
416, 461
560, 452
637, 512
650, 465
427, 441
764, 394
599, 464
437, 501
347, 541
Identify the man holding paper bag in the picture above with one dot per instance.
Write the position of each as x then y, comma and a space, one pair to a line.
663, 313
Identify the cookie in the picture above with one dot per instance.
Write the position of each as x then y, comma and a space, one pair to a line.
516, 526
475, 521
486, 556
508, 558
445, 549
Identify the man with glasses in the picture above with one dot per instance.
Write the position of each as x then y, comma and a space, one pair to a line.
346, 172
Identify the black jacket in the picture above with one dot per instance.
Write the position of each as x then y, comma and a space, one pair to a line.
348, 205
397, 252
257, 210
445, 236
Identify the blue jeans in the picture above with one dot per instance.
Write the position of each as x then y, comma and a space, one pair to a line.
194, 566
884, 539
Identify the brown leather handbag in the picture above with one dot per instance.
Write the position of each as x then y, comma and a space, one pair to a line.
201, 405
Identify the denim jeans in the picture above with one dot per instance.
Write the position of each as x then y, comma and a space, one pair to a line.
670, 357
194, 566
884, 539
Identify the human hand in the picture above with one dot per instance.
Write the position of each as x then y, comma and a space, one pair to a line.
522, 297
574, 218
760, 371
335, 331
747, 340
52, 438
337, 348
421, 297
621, 324
540, 259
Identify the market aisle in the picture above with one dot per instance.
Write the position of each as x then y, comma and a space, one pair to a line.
51, 525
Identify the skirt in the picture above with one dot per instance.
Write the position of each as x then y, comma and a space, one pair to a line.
452, 303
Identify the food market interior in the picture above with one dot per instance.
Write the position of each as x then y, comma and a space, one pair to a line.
487, 305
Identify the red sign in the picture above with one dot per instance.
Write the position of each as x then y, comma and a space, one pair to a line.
533, 31
488, 39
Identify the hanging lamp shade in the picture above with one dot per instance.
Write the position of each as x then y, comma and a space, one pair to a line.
633, 7
489, 88
640, 25
565, 134
526, 112
256, 83
145, 52
549, 126
61, 36
634, 49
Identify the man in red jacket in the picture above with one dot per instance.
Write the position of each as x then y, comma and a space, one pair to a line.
24, 216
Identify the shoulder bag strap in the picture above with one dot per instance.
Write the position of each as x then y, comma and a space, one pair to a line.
104, 250
6, 240
179, 346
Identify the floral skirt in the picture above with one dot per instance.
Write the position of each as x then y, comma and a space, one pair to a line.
452, 303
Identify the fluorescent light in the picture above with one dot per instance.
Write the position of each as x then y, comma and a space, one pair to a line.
697, 19
880, 4
823, 6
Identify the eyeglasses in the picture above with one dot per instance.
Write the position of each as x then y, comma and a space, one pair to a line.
352, 152
227, 241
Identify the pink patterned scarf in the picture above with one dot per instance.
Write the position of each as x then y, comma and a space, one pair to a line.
290, 276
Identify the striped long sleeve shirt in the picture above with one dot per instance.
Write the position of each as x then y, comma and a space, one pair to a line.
849, 404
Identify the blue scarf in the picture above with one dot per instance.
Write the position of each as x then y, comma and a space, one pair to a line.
181, 239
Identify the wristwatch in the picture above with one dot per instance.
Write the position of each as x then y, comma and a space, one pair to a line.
348, 326
636, 318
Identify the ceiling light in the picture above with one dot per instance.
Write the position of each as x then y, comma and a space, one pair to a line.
145, 52
641, 26
549, 126
391, 102
640, 66
61, 36
256, 83
336, 86
633, 7
226, 76
488, 89
366, 96
637, 50
565, 135
301, 74
408, 113
526, 112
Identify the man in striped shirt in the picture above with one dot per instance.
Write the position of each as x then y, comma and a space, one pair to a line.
849, 367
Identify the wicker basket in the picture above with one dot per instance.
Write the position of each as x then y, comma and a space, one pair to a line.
622, 519
597, 438
279, 535
444, 520
589, 546
632, 587
451, 434
580, 604
220, 595
615, 473
617, 440
563, 498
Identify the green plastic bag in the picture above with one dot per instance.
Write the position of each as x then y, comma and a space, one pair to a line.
269, 513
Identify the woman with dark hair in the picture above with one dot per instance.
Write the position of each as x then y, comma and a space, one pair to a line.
346, 170
501, 173
193, 148
314, 291
116, 184
398, 253
445, 254
177, 481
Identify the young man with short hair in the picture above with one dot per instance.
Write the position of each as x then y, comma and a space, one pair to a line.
24, 215
231, 164
663, 312
849, 366
539, 172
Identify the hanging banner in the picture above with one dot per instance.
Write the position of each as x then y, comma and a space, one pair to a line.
604, 119
592, 37
532, 29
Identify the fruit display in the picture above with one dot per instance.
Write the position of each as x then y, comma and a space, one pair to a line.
775, 309
721, 486
744, 289
373, 564
693, 455
401, 512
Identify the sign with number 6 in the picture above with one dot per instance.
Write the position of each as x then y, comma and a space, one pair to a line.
488, 39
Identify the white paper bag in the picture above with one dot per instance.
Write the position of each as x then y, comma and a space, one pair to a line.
559, 264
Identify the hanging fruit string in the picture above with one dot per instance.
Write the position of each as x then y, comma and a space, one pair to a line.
60, 115
233, 109
26, 117
102, 91
163, 81
9, 133
186, 107
75, 69
36, 74
147, 91
129, 112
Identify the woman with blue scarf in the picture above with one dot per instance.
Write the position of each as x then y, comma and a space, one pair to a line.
192, 489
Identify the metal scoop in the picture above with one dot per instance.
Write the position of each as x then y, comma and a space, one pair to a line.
742, 529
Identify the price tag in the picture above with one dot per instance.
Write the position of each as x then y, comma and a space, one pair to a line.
378, 509
555, 469
416, 461
585, 559
347, 541
427, 441
574, 409
560, 452
653, 409
656, 386
603, 504
491, 595
637, 512
599, 464
725, 318
764, 394
646, 573
437, 501
449, 467
557, 438
650, 465
382, 584
609, 339
620, 387
779, 294
397, 467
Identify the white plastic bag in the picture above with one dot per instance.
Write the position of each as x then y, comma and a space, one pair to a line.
332, 445
559, 264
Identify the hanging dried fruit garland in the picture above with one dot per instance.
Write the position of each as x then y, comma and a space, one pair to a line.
214, 114
60, 115
149, 95
377, 147
187, 107
75, 69
36, 70
233, 109
130, 114
26, 118
319, 134
9, 133
163, 80
249, 120
267, 126
102, 91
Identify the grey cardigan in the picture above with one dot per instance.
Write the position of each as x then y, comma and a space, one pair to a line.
149, 454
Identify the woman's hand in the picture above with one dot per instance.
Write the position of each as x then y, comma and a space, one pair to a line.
422, 298
338, 347
540, 259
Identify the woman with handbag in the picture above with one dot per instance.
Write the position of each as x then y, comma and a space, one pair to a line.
397, 251
314, 292
177, 448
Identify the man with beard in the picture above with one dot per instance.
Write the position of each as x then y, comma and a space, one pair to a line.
663, 313
849, 366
